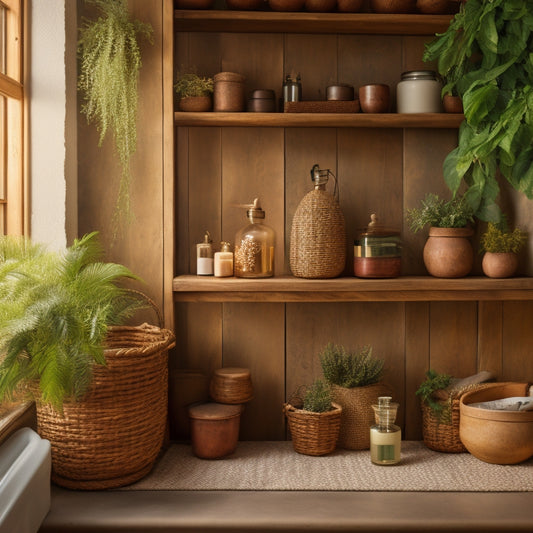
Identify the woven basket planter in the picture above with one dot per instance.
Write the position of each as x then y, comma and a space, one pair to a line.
313, 433
112, 437
357, 413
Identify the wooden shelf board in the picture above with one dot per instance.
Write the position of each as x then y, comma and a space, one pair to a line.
192, 288
302, 22
324, 120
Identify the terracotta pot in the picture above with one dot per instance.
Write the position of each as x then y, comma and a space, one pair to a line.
320, 5
196, 103
499, 265
349, 6
286, 5
500, 437
374, 98
393, 6
436, 7
452, 104
448, 253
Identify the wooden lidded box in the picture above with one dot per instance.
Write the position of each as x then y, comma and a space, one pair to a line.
231, 386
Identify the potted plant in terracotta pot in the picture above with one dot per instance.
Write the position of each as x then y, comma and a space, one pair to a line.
501, 248
448, 253
355, 379
314, 420
63, 344
194, 92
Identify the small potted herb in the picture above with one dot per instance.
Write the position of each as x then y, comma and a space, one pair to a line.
356, 383
195, 92
447, 253
501, 247
314, 419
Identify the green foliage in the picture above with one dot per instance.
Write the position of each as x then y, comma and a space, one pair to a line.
433, 382
485, 57
498, 240
454, 213
317, 397
190, 84
350, 369
54, 312
109, 64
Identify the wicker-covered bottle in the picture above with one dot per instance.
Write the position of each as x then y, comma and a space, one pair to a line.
318, 234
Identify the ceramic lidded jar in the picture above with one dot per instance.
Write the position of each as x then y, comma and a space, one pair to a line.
228, 92
419, 91
377, 252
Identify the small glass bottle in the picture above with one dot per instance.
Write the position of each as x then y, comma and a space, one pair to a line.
204, 256
385, 436
254, 246
224, 261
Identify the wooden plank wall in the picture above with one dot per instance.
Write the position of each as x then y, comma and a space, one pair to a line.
379, 170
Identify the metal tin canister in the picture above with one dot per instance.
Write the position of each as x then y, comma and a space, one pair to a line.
262, 101
419, 92
377, 252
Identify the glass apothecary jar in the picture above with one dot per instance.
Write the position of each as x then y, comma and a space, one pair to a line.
385, 436
254, 246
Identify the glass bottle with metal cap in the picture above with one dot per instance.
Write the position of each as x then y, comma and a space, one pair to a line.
254, 246
204, 256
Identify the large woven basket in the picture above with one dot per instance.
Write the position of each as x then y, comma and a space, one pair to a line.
113, 436
318, 237
357, 413
313, 433
440, 431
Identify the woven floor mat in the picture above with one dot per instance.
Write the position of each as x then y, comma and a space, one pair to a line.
275, 466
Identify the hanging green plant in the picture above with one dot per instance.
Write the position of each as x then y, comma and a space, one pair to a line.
109, 64
485, 57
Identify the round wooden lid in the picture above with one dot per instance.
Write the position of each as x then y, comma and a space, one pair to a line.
214, 411
233, 373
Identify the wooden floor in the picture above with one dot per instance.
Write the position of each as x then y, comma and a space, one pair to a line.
287, 512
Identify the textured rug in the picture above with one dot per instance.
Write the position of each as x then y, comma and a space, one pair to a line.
276, 466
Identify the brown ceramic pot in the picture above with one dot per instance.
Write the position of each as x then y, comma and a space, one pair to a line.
286, 5
245, 5
196, 103
436, 7
349, 6
393, 6
500, 437
194, 4
499, 265
320, 5
452, 104
448, 252
374, 98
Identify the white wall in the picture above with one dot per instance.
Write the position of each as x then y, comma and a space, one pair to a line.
53, 166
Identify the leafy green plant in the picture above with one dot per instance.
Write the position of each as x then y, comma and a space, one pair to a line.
433, 382
109, 65
317, 397
350, 369
55, 308
499, 240
436, 212
190, 84
485, 56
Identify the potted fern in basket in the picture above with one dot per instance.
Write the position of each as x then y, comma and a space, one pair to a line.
314, 419
356, 383
62, 344
194, 92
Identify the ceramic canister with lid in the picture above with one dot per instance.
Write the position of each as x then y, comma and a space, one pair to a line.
228, 92
419, 91
377, 252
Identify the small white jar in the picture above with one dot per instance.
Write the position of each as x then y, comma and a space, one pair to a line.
419, 92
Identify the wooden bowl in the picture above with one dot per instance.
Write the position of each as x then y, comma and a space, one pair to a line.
349, 6
245, 5
320, 5
393, 6
374, 98
452, 104
286, 5
194, 4
499, 437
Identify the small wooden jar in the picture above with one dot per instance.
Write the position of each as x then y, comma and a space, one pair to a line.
262, 101
214, 429
231, 386
229, 92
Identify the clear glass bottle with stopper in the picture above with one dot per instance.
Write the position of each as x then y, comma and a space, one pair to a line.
254, 246
385, 436
204, 256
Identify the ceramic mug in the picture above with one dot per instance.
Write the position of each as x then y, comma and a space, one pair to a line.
374, 98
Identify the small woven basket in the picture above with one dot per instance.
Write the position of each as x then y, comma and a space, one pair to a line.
440, 431
231, 386
313, 433
357, 413
113, 436
318, 237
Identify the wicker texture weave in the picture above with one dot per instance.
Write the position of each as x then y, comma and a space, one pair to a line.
313, 433
318, 237
231, 386
113, 436
357, 413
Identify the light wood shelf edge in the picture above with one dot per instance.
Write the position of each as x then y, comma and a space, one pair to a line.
193, 288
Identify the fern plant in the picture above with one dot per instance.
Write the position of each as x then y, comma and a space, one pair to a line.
55, 309
317, 397
350, 369
497, 239
109, 64
433, 382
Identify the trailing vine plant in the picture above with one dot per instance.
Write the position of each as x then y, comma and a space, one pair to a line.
109, 64
485, 57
